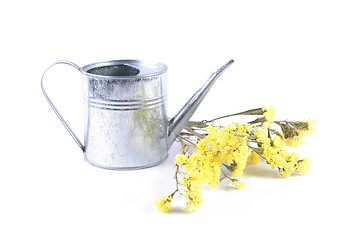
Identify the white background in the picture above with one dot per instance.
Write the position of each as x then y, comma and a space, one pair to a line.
301, 56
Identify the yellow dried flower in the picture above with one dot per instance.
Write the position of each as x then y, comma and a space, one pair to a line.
238, 184
294, 141
163, 203
278, 141
254, 158
289, 167
181, 159
284, 173
192, 193
266, 125
261, 136
242, 129
312, 127
291, 157
303, 166
222, 151
269, 113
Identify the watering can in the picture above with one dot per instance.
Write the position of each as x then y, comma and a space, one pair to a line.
125, 106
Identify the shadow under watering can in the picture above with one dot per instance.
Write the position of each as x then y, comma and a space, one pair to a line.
126, 121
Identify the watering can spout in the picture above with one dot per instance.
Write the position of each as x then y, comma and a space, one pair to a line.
179, 121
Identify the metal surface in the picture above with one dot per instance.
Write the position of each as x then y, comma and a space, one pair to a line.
126, 122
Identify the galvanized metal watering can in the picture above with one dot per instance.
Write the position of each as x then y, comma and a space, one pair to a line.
126, 121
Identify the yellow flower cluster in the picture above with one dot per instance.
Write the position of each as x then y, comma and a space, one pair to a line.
271, 146
222, 145
254, 158
269, 114
163, 204
294, 141
231, 148
274, 153
303, 166
294, 131
236, 183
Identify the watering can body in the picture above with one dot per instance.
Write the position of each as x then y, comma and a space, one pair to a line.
125, 106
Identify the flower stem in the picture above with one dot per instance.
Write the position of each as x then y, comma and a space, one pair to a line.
256, 111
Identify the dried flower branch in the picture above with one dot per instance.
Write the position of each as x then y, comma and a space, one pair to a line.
223, 153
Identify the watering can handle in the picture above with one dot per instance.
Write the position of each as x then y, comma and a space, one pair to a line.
53, 106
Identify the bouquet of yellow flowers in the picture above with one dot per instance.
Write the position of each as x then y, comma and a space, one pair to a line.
222, 152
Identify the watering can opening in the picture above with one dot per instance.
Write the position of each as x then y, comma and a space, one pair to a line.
119, 70
124, 69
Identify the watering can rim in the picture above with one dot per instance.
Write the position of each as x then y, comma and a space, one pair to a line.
147, 68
